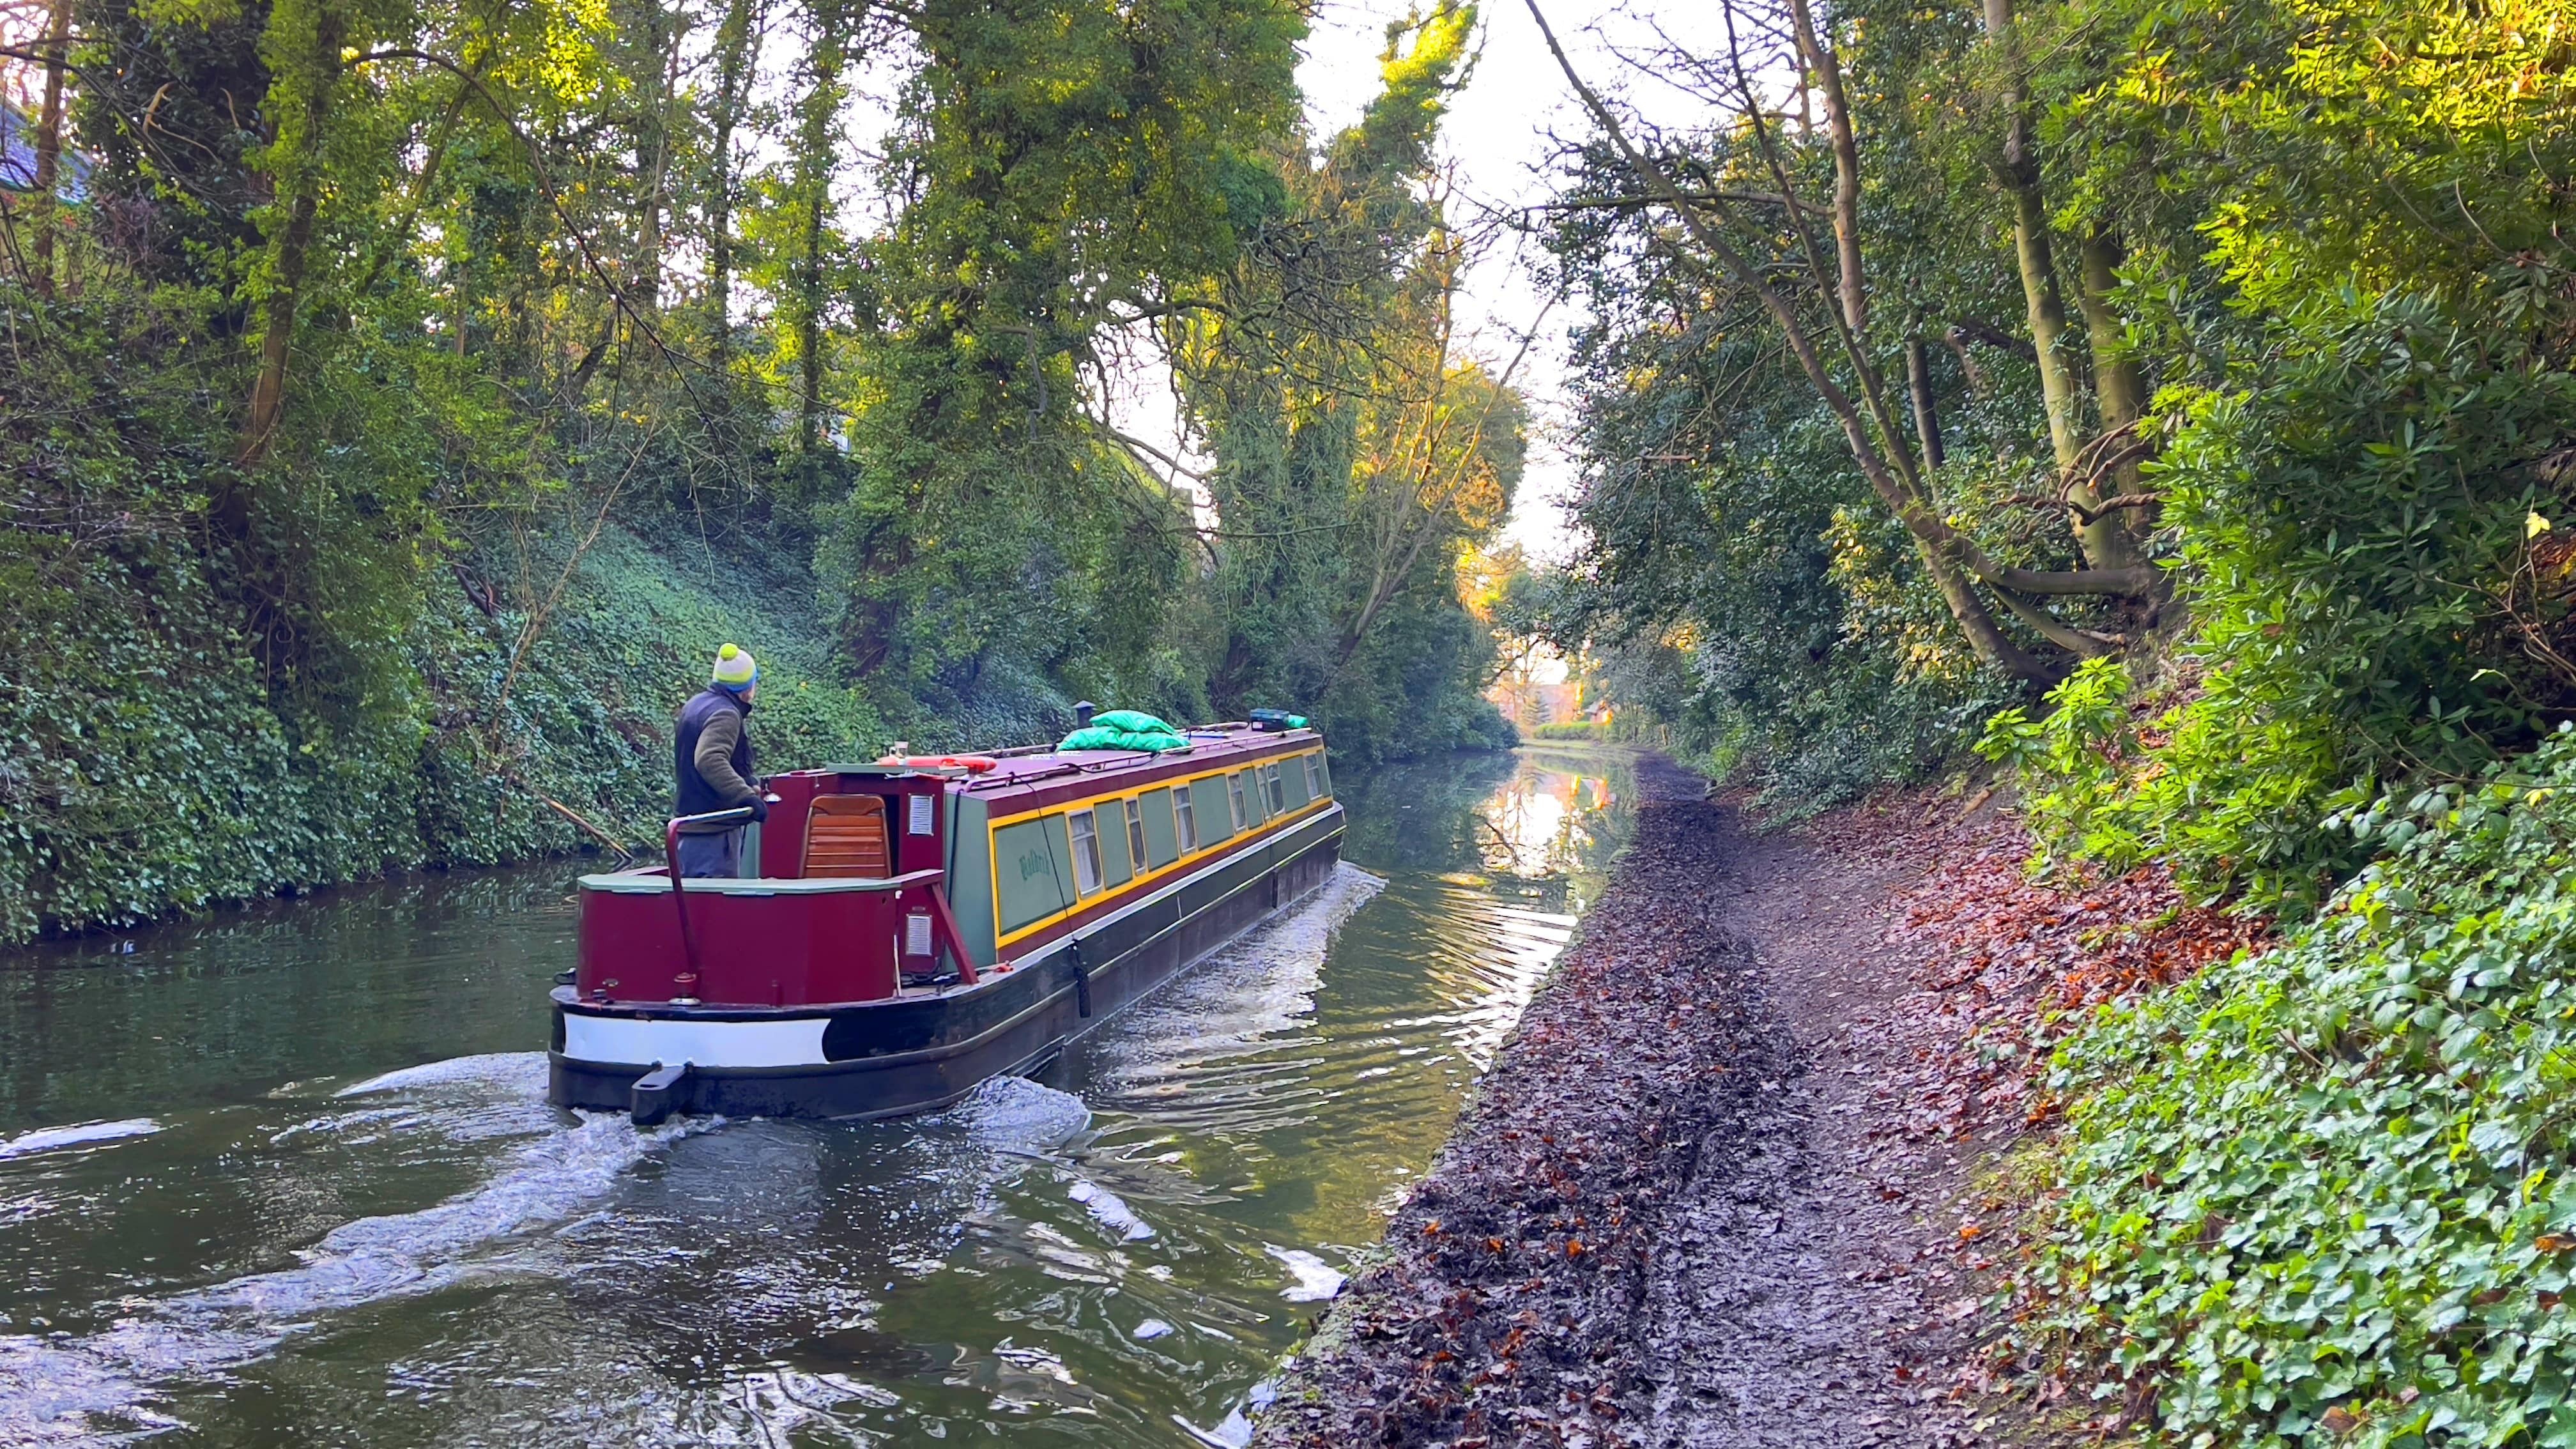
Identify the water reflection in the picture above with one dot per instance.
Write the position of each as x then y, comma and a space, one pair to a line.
289, 1176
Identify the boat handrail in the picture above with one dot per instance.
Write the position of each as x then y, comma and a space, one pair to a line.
644, 883
671, 857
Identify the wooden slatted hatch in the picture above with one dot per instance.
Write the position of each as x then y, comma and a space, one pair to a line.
846, 836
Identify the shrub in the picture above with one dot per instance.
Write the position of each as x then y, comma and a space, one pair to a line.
2352, 525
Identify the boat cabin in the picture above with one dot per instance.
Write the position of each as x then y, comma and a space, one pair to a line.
921, 876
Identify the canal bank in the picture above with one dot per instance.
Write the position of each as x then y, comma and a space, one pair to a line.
1682, 1209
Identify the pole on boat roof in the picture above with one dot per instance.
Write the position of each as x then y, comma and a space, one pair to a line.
679, 892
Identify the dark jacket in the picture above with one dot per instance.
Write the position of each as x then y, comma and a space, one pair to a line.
711, 758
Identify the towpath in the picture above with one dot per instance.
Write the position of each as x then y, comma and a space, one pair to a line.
1677, 1213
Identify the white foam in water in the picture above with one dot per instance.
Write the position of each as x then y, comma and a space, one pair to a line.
1153, 1328
1261, 984
1234, 1433
1112, 1210
47, 1139
1014, 1114
1317, 1280
382, 1257
342, 1124
54, 1390
521, 1070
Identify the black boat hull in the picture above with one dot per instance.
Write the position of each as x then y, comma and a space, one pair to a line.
912, 1054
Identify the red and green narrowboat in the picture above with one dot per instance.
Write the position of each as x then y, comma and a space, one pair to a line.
918, 925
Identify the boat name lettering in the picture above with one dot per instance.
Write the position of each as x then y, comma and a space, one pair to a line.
1034, 863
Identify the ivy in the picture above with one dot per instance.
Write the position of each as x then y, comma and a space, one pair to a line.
2339, 1178
149, 768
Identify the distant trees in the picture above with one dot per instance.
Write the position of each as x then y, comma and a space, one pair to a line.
1358, 439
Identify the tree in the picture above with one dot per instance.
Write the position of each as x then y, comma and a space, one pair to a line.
1844, 372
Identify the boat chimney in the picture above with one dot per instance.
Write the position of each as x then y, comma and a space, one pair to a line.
1082, 714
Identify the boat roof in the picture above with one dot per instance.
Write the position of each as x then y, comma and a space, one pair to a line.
1041, 777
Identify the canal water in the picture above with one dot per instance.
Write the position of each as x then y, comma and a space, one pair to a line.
287, 1176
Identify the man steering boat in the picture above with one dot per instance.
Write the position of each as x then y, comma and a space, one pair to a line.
712, 762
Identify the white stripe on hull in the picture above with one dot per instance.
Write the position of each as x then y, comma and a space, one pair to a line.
797, 1042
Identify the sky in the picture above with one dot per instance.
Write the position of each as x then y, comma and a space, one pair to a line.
1501, 135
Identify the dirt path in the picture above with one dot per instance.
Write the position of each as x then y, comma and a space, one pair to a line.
1681, 1211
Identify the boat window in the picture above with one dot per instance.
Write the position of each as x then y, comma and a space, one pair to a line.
1086, 851
1185, 814
1277, 787
1315, 775
1117, 846
1162, 827
1208, 804
1034, 879
1136, 832
1234, 797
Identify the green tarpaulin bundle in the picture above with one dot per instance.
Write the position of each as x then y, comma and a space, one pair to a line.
1125, 729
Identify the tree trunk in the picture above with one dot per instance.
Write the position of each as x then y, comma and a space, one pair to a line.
49, 144
653, 157
736, 51
1850, 290
2118, 387
809, 329
298, 185
1927, 419
814, 157
2105, 541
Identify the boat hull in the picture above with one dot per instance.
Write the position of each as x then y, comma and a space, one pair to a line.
913, 1053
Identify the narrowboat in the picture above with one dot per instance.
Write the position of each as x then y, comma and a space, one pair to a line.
920, 924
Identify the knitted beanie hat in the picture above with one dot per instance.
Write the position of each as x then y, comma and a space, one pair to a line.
735, 669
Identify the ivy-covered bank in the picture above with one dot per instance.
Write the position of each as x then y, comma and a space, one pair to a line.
148, 766
2325, 1191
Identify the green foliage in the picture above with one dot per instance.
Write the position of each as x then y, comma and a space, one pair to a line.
2333, 1176
1739, 584
1359, 456
1071, 166
372, 299
2353, 522
147, 767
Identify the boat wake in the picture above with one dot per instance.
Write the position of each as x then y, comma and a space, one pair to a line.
86, 1134
1260, 985
100, 1388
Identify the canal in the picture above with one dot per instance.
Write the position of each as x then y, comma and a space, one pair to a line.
287, 1175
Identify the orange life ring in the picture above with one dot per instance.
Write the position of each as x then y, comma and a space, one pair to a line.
971, 764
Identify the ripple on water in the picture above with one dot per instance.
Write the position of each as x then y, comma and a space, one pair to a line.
59, 1389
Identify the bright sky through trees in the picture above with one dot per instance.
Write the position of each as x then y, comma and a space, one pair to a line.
1502, 136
